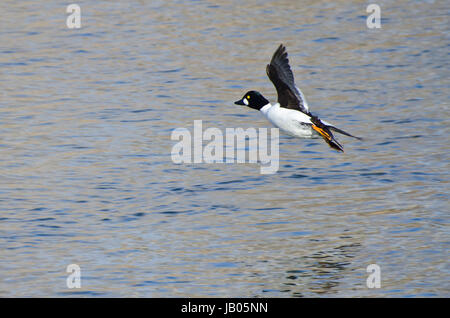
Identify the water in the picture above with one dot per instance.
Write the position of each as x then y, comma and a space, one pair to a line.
87, 178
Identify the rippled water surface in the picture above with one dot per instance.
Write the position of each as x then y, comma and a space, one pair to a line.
87, 177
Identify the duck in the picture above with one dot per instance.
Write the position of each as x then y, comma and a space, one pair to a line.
291, 111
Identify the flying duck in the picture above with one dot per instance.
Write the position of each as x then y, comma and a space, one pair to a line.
291, 113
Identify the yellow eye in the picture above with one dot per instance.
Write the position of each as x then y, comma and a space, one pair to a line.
248, 97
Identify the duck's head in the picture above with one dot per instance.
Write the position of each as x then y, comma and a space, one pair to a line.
253, 99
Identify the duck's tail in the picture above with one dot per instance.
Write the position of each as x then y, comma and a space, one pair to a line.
342, 132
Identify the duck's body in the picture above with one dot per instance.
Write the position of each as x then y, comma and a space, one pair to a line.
291, 113
291, 122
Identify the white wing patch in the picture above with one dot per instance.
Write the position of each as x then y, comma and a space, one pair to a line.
305, 103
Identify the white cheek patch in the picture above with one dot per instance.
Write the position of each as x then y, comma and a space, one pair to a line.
246, 101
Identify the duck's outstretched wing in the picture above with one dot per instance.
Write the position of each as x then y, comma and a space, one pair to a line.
280, 73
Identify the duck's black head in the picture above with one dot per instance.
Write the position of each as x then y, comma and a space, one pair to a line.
253, 99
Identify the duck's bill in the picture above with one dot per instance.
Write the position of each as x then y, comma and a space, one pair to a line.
240, 102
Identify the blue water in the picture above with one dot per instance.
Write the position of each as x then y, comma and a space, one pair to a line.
85, 151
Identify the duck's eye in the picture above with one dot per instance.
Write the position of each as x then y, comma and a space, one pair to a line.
248, 96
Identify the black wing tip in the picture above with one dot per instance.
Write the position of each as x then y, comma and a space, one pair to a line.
282, 47
281, 52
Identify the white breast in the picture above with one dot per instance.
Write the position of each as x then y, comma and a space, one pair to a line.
289, 121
